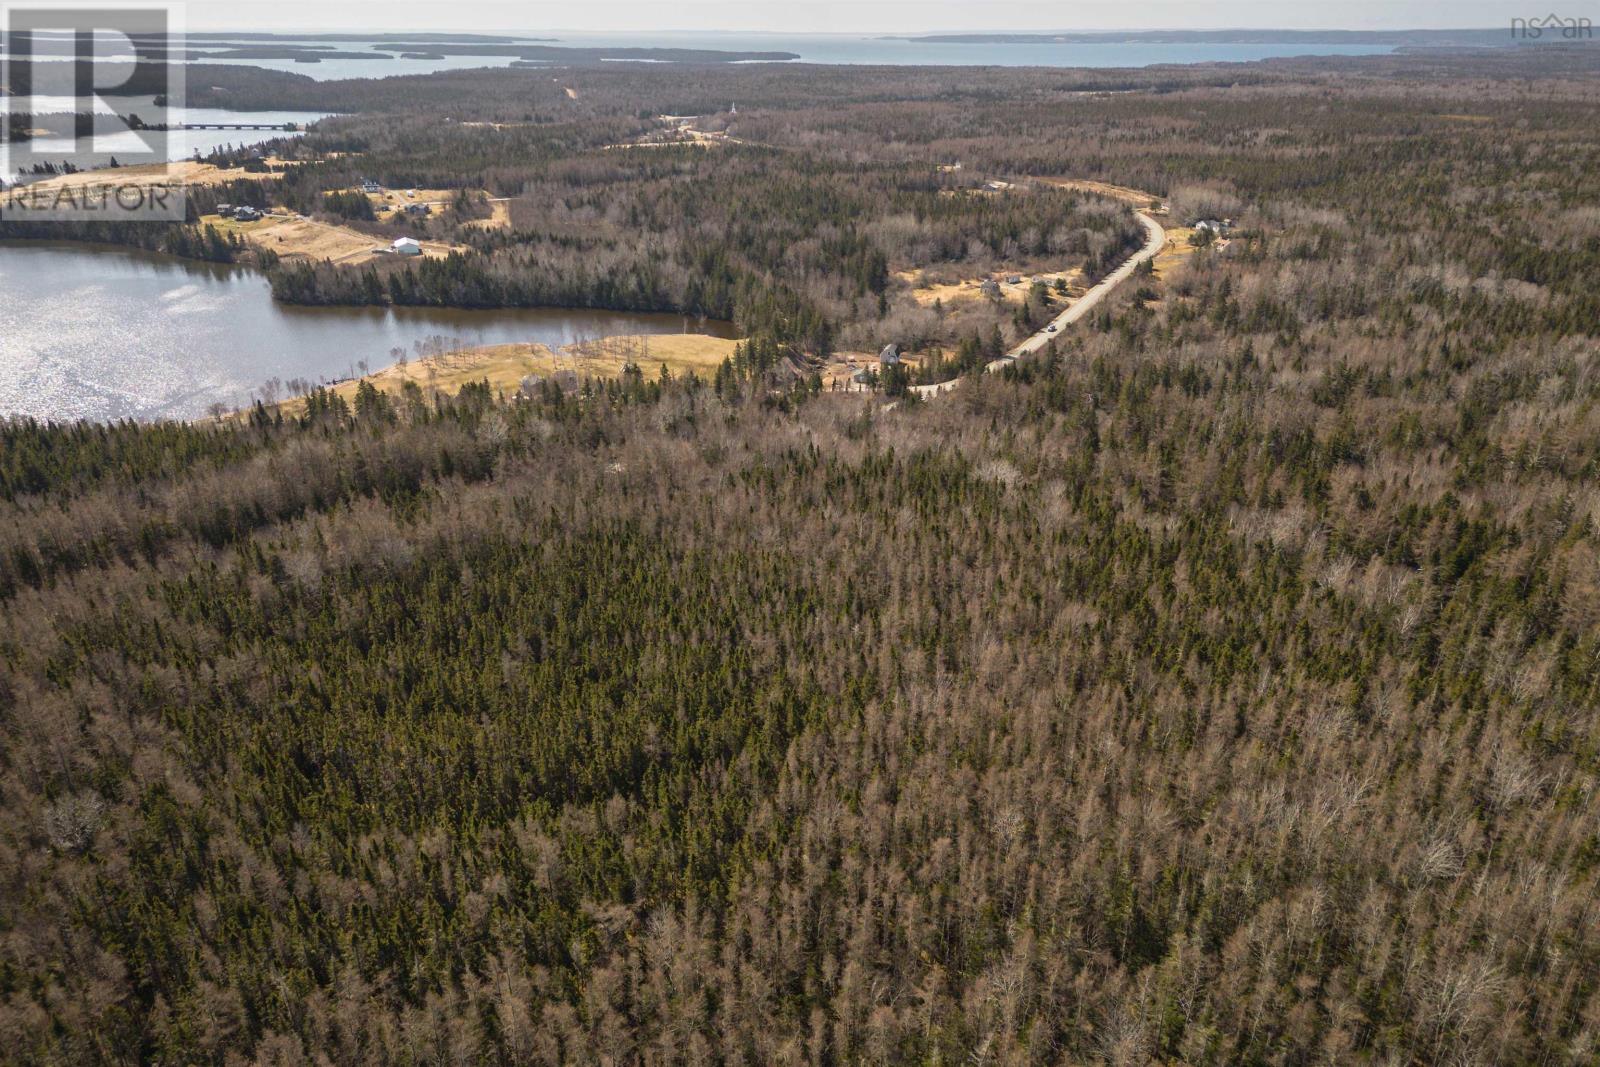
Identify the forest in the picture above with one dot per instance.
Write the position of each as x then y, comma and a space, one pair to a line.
795, 249
808, 249
1221, 686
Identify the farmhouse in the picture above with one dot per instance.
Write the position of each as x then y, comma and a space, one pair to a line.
890, 355
370, 186
406, 246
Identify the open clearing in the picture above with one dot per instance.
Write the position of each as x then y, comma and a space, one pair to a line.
292, 236
678, 132
927, 292
287, 235
146, 175
504, 366
1137, 197
397, 198
499, 216
1176, 250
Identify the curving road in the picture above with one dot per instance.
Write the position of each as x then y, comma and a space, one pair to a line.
1156, 239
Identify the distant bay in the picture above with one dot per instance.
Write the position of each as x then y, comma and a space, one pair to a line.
352, 56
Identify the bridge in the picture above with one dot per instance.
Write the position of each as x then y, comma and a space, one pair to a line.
286, 127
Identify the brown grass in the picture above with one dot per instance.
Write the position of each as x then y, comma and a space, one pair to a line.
298, 237
393, 198
1136, 197
146, 175
1177, 249
504, 366
926, 290
499, 217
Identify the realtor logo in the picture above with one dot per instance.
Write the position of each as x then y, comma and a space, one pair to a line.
84, 88
1554, 26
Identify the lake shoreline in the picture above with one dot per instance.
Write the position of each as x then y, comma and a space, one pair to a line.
507, 369
104, 332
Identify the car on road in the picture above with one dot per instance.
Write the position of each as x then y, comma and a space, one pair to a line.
1050, 328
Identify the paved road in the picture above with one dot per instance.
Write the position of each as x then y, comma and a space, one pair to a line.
1156, 239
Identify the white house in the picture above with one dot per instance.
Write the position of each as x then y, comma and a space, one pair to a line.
890, 355
406, 246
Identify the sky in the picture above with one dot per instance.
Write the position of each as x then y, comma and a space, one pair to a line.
858, 16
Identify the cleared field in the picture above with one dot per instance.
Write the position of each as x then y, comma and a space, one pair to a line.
703, 141
286, 235
926, 291
504, 366
1136, 197
840, 370
499, 220
1176, 250
681, 352
291, 236
395, 198
146, 175
677, 132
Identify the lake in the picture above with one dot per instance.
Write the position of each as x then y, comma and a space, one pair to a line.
179, 144
90, 332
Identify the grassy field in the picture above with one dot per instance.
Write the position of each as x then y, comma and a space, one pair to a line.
927, 289
1136, 197
505, 366
499, 219
1176, 251
295, 236
151, 174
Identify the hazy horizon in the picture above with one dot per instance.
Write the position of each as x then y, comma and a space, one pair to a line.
868, 17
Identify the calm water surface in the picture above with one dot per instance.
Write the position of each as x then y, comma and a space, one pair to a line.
179, 144
846, 49
822, 48
104, 333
